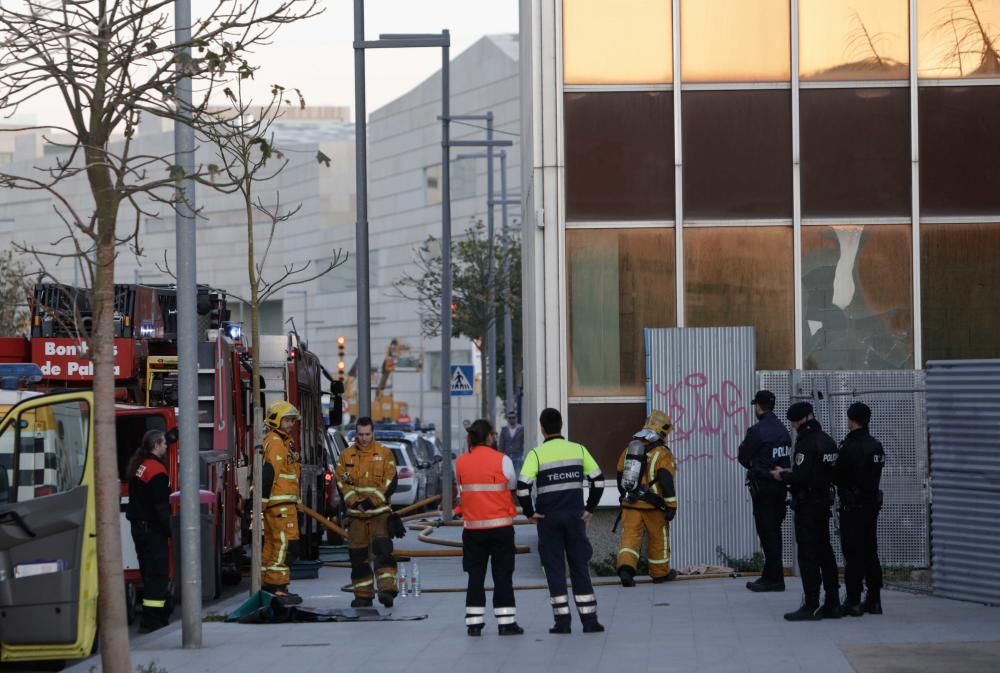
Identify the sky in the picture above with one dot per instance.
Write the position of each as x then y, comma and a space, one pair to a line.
317, 57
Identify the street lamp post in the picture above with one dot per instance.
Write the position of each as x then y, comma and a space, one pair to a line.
402, 41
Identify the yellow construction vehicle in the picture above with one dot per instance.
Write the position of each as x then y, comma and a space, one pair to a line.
385, 408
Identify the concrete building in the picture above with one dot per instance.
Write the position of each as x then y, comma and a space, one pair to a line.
404, 209
755, 163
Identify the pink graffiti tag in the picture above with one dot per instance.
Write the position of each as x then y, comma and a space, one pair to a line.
699, 409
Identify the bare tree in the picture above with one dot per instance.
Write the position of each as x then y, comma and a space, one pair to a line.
244, 143
109, 62
972, 41
14, 287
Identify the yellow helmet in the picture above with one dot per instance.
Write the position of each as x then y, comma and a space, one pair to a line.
657, 426
277, 411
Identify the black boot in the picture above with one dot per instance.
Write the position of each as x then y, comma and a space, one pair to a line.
510, 629
831, 608
361, 603
849, 609
807, 612
627, 575
562, 625
474, 630
764, 587
669, 577
386, 598
591, 625
872, 604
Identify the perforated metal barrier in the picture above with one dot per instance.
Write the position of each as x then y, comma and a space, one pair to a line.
899, 422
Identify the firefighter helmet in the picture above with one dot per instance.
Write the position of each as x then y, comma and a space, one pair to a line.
279, 410
657, 426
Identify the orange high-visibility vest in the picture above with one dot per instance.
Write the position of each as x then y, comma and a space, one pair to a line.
486, 498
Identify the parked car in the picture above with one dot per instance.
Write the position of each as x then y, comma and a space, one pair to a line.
333, 504
429, 452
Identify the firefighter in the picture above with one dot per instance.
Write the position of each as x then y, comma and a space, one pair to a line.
486, 479
858, 473
811, 476
556, 470
767, 445
148, 511
648, 499
366, 477
279, 498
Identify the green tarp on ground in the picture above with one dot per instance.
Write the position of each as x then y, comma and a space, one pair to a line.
264, 608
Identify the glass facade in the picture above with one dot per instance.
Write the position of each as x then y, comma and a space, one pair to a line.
728, 180
743, 276
619, 281
621, 42
856, 295
960, 270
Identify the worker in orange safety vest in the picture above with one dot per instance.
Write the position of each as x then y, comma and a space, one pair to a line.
486, 479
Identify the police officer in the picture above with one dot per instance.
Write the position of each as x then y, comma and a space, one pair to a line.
556, 470
811, 477
766, 446
148, 511
858, 472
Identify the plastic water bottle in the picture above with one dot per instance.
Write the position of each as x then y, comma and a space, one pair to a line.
415, 579
402, 580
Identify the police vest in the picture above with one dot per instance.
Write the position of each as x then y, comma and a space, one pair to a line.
486, 498
557, 469
278, 452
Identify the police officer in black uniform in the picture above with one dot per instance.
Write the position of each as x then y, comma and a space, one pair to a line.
148, 511
859, 470
766, 446
811, 478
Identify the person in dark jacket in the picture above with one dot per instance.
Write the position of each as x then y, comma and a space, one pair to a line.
858, 473
811, 478
767, 446
148, 511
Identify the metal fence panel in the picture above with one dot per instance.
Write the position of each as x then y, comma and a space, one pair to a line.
704, 379
963, 409
898, 420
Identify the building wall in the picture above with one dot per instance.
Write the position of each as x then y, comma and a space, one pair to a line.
833, 190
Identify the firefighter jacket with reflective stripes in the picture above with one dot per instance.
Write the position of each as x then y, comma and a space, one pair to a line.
485, 479
281, 470
149, 496
657, 477
366, 477
556, 470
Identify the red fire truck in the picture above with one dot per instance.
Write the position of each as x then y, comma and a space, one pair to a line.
146, 388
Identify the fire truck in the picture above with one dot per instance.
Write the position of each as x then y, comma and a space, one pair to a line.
146, 393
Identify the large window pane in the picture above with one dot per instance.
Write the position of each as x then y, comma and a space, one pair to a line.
620, 281
856, 292
853, 39
621, 42
737, 154
959, 144
855, 152
738, 276
960, 283
735, 41
958, 38
620, 156
601, 427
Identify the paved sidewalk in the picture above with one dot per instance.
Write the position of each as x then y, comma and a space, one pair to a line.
695, 626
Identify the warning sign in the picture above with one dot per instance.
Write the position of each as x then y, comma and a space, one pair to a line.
461, 380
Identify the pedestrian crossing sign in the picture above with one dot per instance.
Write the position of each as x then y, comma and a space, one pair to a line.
461, 380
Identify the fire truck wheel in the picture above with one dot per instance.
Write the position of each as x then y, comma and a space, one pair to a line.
131, 602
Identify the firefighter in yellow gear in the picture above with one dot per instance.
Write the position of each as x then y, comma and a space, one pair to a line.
366, 477
279, 498
646, 471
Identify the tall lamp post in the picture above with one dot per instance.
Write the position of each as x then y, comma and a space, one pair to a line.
187, 347
402, 41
